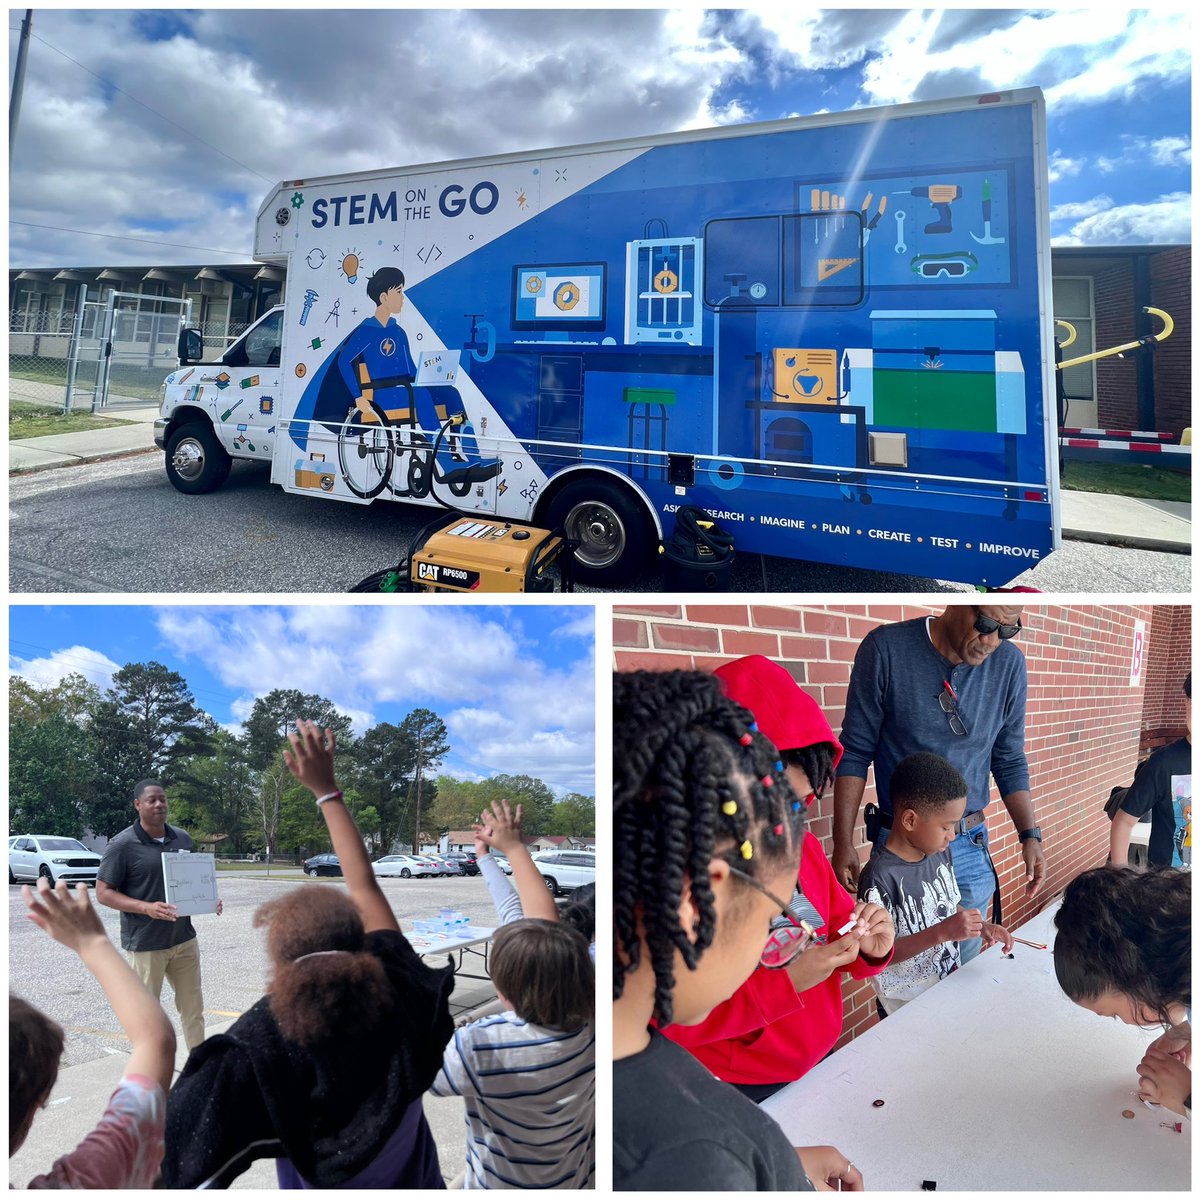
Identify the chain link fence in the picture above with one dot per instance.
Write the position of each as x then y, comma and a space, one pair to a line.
143, 351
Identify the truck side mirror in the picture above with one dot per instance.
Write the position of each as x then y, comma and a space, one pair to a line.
191, 346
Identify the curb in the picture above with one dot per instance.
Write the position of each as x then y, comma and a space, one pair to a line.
76, 459
1127, 541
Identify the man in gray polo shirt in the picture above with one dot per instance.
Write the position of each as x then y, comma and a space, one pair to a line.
161, 944
951, 685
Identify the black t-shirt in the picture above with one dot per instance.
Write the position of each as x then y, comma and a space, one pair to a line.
1163, 788
132, 863
677, 1128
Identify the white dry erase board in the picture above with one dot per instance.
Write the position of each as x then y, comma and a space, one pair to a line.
191, 881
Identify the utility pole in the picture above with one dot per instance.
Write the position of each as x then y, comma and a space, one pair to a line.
18, 85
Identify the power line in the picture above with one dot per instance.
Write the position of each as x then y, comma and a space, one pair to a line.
109, 83
116, 237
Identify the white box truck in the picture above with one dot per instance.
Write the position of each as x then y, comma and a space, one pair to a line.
833, 333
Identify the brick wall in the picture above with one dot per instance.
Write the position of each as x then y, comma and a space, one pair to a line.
1171, 290
1116, 378
1083, 723
1167, 662
1118, 321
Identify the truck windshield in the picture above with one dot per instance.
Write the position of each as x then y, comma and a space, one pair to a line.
260, 347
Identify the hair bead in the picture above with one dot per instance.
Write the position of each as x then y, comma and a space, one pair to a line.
767, 781
729, 807
747, 850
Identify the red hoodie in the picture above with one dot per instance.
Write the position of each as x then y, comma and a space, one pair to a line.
766, 1032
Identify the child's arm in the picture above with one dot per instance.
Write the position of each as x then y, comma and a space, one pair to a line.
504, 896
966, 923
310, 760
72, 922
502, 829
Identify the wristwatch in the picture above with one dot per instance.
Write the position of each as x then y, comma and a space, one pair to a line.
1025, 834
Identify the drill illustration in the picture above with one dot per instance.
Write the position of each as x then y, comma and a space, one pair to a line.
941, 196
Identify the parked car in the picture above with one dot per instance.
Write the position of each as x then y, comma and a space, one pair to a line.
502, 862
31, 855
448, 865
322, 864
406, 866
565, 870
465, 860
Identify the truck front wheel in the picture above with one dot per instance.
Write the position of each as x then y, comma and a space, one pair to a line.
613, 532
196, 461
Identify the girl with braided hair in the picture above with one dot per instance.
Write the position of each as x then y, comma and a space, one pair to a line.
780, 1023
1123, 949
707, 835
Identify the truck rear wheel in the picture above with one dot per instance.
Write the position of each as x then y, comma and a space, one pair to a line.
196, 461
613, 532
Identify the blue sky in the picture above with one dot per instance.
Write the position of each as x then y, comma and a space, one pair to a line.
514, 685
187, 117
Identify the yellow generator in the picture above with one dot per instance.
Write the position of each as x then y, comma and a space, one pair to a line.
473, 555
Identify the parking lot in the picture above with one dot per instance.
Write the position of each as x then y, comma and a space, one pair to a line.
233, 953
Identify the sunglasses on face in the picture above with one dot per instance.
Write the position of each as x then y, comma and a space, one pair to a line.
788, 936
986, 626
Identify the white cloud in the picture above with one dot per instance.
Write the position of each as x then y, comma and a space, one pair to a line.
1063, 167
506, 710
46, 672
1171, 151
1165, 220
1080, 209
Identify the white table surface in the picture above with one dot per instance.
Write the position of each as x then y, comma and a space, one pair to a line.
429, 943
992, 1086
1139, 835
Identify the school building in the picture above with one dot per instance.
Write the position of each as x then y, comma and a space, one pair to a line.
1105, 689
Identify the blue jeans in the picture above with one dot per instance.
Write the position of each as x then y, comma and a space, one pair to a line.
973, 872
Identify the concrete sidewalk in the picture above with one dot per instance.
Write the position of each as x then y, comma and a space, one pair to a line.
81, 1094
1086, 516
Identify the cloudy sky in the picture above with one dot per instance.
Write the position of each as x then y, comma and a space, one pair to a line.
514, 685
169, 127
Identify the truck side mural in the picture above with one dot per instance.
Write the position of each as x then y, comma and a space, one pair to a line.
829, 332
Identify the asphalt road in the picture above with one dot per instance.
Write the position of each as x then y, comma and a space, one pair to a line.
233, 957
119, 526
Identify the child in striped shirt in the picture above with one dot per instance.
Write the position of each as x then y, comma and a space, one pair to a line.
527, 1075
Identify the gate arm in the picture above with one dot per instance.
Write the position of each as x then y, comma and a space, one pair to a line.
1150, 340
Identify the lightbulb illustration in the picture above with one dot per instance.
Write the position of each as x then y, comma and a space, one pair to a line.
350, 266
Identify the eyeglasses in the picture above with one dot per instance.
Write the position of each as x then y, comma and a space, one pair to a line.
949, 702
986, 626
788, 936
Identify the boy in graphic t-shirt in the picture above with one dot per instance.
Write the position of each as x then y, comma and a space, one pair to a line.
912, 876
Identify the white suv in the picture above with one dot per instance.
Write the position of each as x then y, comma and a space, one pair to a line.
54, 857
565, 870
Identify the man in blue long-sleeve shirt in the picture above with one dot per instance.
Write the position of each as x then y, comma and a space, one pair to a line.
951, 685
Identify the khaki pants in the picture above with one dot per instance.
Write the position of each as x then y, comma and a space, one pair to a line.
180, 965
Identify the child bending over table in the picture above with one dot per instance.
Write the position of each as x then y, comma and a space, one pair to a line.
1123, 948
912, 877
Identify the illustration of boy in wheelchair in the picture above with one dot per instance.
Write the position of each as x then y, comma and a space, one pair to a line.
381, 426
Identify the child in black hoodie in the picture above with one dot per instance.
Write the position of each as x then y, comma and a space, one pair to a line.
325, 1073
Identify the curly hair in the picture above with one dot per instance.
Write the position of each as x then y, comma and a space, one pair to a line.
332, 996
816, 762
1127, 931
35, 1045
684, 753
579, 910
925, 782
543, 969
